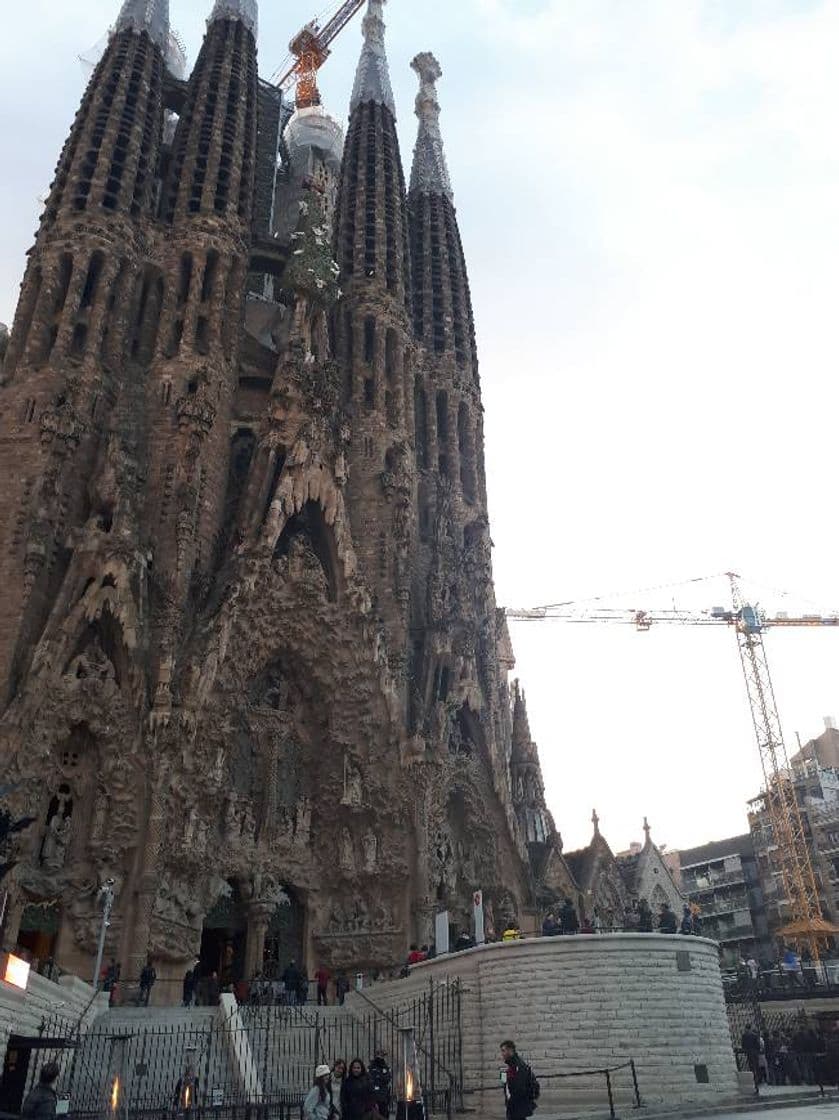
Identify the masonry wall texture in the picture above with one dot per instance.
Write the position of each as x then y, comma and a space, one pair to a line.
251, 664
590, 1002
68, 1005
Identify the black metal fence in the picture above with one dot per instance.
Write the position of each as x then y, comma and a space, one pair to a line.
615, 1088
257, 1063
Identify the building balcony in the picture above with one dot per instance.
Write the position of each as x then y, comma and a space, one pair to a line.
703, 883
727, 934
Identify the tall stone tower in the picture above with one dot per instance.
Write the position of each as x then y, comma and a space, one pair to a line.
252, 666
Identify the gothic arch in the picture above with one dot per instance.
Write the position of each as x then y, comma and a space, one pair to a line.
310, 527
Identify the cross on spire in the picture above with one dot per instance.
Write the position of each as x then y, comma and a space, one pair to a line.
647, 830
595, 820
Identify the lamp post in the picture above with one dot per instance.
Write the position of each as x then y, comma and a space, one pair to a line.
106, 899
409, 1100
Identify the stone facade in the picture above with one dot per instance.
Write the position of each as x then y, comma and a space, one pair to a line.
574, 1004
251, 664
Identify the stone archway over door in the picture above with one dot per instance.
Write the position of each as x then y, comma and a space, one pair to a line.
285, 937
224, 940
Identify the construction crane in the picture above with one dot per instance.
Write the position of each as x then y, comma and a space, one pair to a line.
792, 855
309, 50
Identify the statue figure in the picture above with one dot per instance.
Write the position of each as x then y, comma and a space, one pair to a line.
370, 844
248, 825
347, 853
100, 815
54, 851
232, 822
352, 784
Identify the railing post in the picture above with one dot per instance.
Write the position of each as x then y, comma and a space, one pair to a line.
431, 1047
609, 1090
635, 1082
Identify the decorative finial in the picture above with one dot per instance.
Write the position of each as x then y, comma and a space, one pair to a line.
430, 173
245, 10
595, 820
372, 79
647, 829
151, 16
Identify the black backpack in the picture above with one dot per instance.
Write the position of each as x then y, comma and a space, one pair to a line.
534, 1089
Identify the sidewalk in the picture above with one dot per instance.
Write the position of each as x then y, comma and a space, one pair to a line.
799, 1103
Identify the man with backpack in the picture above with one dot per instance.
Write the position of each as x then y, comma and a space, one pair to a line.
521, 1089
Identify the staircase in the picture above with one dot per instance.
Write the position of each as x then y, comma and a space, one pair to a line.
148, 1049
287, 1044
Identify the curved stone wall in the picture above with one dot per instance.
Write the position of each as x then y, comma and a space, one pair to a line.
591, 1002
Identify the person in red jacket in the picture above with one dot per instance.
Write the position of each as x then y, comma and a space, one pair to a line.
322, 978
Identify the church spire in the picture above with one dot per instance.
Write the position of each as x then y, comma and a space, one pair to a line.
430, 173
245, 10
151, 16
372, 79
524, 749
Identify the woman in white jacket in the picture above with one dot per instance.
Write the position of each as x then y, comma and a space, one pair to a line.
318, 1104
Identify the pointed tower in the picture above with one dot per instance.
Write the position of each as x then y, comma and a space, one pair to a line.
374, 337
526, 776
455, 623
66, 360
207, 205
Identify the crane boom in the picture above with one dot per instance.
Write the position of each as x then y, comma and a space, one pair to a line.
791, 854
310, 50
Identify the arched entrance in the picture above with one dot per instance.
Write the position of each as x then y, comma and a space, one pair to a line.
284, 939
223, 941
38, 934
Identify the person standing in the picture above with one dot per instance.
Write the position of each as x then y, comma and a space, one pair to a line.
521, 1089
190, 981
318, 1103
667, 919
568, 921
322, 979
357, 1094
148, 978
750, 1043
342, 986
291, 983
339, 1076
42, 1102
550, 926
645, 917
382, 1079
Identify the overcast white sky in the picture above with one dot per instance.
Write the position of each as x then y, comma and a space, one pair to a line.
649, 197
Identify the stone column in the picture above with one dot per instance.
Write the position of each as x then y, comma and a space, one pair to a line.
139, 935
259, 918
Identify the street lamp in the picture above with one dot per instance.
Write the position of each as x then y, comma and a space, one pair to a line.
409, 1101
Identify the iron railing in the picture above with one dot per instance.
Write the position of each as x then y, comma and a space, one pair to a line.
597, 1085
138, 1068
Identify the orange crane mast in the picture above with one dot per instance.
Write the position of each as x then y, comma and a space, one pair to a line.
791, 854
310, 48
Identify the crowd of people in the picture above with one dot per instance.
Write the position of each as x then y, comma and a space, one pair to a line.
339, 1091
565, 920
789, 969
785, 1057
354, 1092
